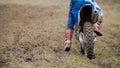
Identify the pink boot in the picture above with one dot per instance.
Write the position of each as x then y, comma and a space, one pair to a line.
97, 29
68, 42
97, 26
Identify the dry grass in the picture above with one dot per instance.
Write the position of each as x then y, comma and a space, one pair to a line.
32, 36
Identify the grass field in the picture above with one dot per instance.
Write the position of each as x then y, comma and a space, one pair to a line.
32, 35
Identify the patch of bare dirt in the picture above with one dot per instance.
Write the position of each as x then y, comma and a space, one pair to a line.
27, 36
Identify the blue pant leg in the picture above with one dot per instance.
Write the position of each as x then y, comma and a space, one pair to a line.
75, 6
71, 21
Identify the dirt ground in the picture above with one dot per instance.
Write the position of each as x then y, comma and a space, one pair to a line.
32, 35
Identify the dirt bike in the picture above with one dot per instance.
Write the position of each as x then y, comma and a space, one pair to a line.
84, 31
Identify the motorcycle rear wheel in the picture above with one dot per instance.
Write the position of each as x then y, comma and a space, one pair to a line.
88, 30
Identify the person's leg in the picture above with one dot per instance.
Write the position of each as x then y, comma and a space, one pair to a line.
69, 31
72, 19
97, 26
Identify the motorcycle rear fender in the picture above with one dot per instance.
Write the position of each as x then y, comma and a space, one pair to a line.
88, 14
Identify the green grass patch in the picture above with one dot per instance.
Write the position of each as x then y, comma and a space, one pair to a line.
77, 62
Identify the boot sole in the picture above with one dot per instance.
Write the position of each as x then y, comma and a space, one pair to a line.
67, 49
